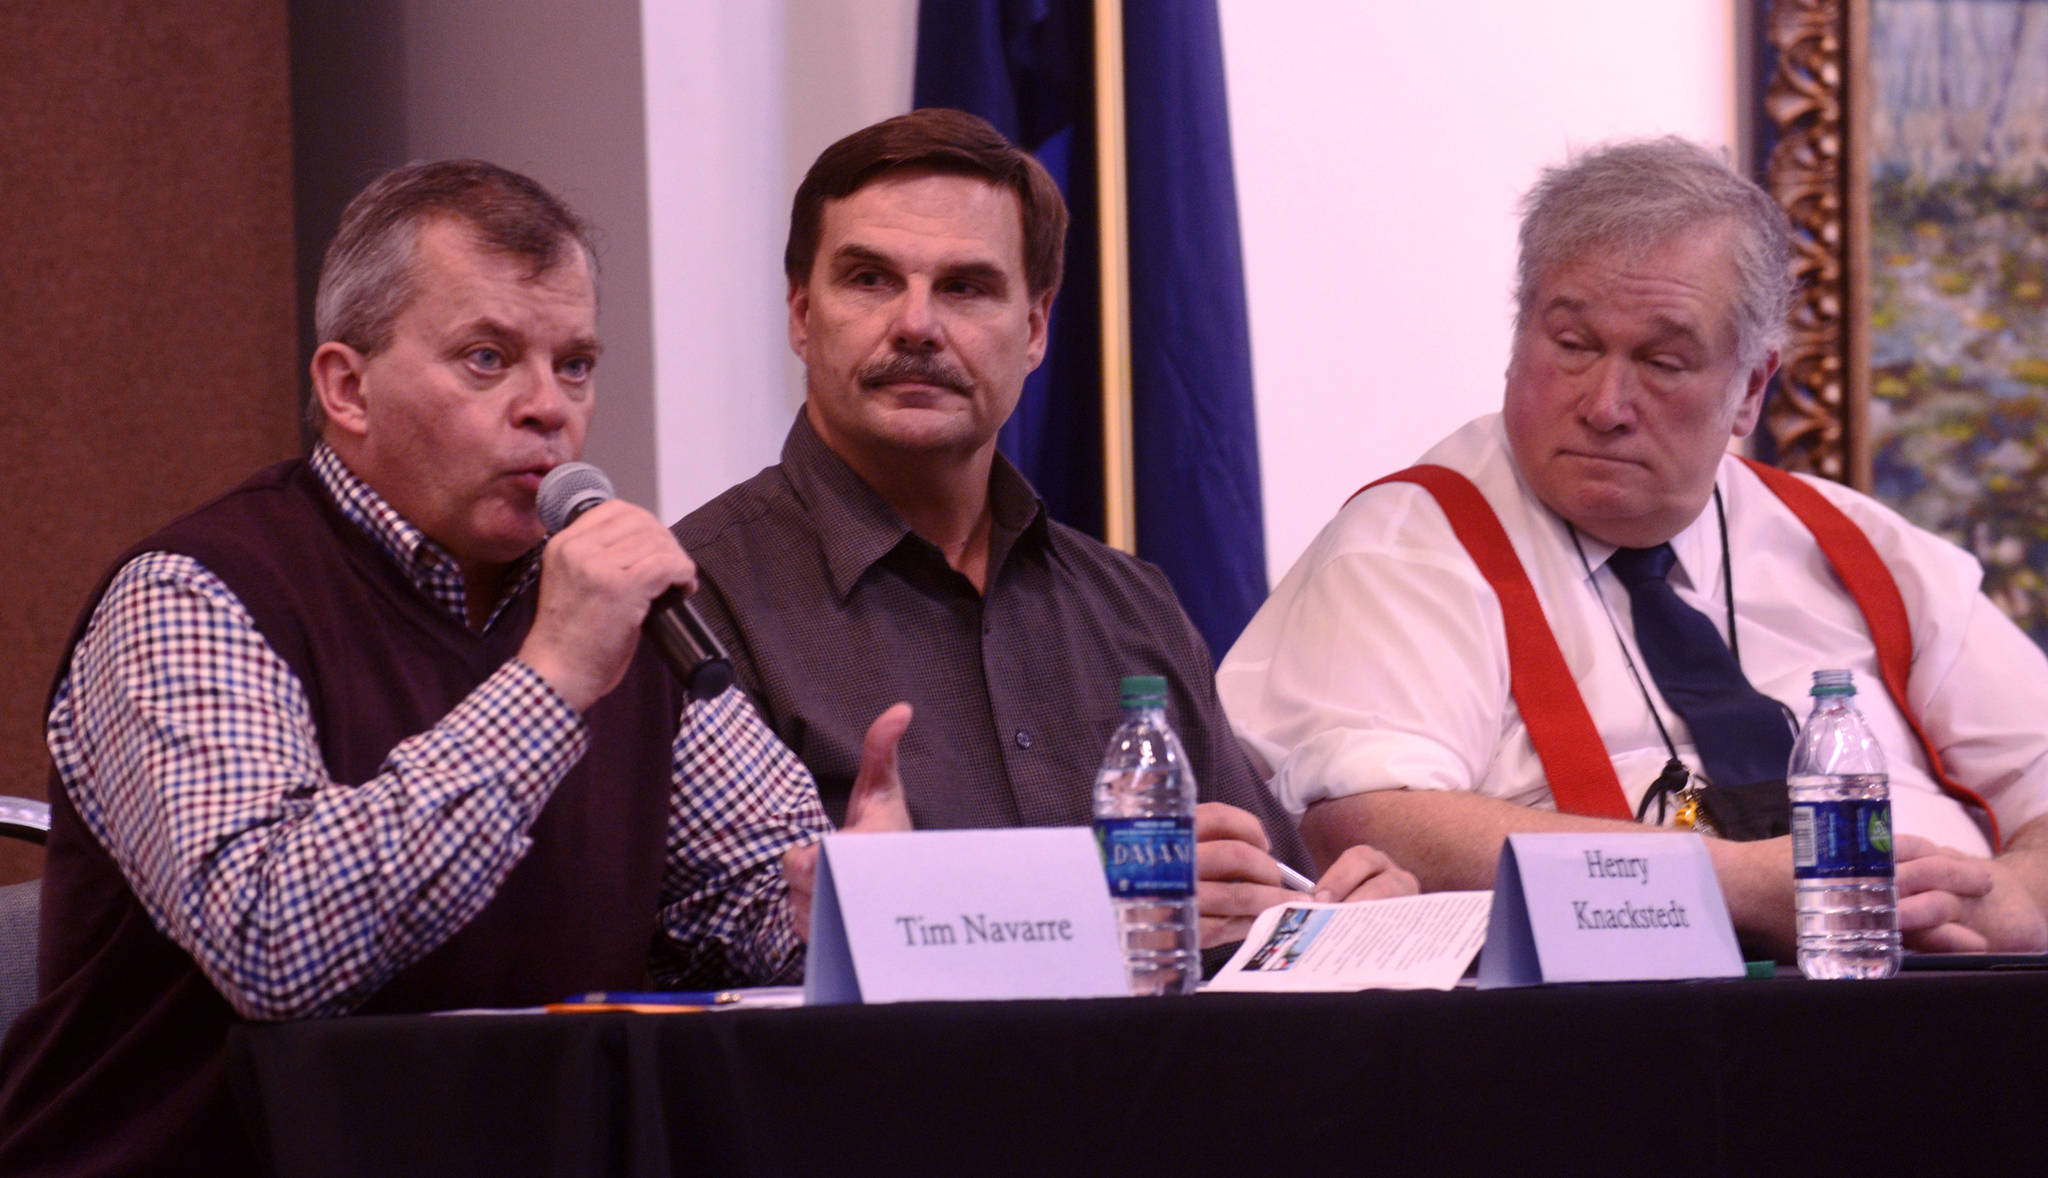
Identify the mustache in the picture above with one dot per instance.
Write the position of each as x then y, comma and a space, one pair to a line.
923, 369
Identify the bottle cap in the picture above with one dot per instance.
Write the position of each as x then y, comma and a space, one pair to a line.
1140, 690
1834, 682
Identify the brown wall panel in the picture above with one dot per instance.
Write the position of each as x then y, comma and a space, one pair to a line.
146, 290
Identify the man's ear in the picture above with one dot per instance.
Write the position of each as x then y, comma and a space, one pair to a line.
799, 311
1755, 381
1041, 325
338, 382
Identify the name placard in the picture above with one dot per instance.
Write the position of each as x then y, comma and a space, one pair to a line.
1606, 908
943, 914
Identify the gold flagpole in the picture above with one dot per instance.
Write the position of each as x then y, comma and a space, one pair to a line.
1119, 497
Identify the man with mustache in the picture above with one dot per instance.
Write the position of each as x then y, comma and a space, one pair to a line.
893, 554
1378, 680
352, 738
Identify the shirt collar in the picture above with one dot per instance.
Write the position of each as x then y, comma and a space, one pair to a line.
429, 567
1020, 515
856, 527
1697, 549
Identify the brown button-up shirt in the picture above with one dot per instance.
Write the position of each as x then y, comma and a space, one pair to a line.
832, 609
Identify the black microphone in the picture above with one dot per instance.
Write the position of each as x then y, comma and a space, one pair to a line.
679, 634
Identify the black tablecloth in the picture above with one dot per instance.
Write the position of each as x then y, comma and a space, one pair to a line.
1936, 1074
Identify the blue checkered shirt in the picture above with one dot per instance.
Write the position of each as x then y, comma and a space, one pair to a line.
187, 746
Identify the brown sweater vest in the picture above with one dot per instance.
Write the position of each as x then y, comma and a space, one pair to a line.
121, 1065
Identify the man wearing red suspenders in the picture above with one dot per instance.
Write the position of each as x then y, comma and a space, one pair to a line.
1575, 607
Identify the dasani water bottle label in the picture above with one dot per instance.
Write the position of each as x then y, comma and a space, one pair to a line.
1148, 858
1842, 839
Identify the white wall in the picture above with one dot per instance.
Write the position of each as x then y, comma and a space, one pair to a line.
553, 91
740, 98
1380, 150
714, 126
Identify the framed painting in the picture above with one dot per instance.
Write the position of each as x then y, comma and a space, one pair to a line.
1908, 140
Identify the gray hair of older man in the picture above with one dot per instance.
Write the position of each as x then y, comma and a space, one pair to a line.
1629, 197
366, 277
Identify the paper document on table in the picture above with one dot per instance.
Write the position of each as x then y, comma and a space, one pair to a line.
1407, 943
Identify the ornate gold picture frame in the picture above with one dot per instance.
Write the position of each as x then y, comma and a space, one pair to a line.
1808, 126
1908, 142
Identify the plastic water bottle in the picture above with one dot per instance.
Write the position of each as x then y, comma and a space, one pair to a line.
1145, 826
1848, 917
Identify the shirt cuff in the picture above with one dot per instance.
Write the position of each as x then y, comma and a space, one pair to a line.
1344, 762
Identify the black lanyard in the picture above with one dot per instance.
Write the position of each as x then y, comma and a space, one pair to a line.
1674, 775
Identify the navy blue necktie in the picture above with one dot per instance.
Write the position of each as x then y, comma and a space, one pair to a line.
1743, 735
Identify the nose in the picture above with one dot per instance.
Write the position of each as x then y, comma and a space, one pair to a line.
542, 404
917, 323
1609, 404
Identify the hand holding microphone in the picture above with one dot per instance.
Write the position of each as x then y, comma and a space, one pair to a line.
679, 634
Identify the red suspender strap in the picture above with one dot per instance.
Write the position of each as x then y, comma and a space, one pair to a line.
1862, 572
1574, 757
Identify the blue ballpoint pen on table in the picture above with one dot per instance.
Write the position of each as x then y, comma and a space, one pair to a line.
650, 999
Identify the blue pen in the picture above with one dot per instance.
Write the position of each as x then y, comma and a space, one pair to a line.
653, 998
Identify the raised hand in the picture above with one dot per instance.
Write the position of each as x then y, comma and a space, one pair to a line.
876, 803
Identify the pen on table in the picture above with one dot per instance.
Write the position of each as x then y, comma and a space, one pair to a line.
1295, 879
653, 998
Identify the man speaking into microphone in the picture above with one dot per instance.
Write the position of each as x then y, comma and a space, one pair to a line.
692, 653
351, 738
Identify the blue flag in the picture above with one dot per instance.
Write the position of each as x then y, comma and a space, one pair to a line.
1027, 66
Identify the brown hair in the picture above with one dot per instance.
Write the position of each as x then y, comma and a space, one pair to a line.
366, 277
940, 140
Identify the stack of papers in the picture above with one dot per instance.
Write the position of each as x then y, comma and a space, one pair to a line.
1408, 943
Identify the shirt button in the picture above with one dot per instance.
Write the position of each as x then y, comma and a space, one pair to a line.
1023, 739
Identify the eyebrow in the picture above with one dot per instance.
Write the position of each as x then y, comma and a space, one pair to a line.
1667, 327
977, 270
494, 329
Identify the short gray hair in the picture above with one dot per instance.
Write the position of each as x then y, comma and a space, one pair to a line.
366, 277
1635, 195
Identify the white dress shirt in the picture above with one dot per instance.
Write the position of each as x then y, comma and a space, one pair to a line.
1380, 661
